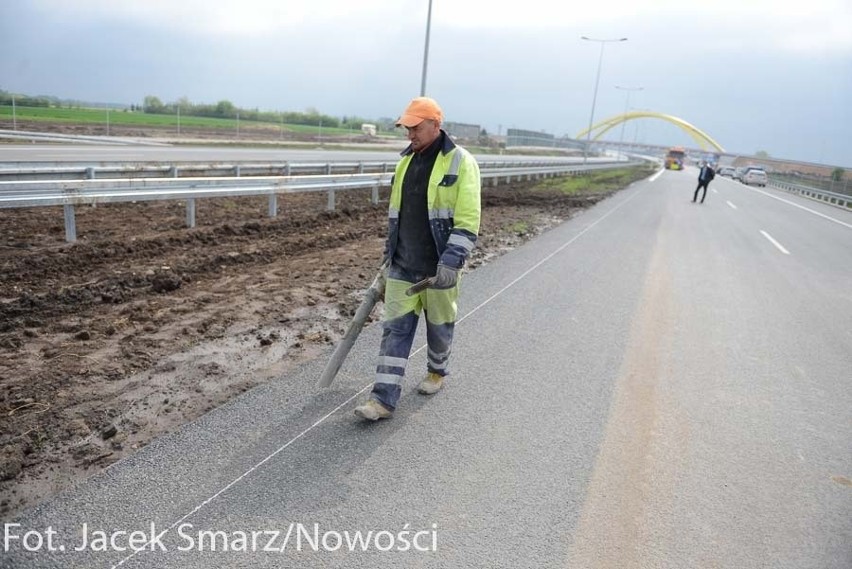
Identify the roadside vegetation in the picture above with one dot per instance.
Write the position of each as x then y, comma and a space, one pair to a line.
595, 182
153, 112
580, 191
126, 117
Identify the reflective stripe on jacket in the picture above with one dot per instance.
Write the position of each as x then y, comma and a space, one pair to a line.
453, 201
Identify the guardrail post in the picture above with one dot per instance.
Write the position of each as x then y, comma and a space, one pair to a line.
70, 224
190, 203
90, 175
330, 206
374, 198
190, 212
273, 205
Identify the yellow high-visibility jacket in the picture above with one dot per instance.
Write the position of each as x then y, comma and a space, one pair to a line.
453, 201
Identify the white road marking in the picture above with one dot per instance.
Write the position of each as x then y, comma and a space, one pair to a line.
732, 205
828, 217
774, 242
368, 386
655, 176
537, 265
243, 475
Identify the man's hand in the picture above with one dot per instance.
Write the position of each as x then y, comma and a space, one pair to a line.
445, 277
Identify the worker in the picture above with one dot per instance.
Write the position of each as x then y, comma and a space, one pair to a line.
433, 223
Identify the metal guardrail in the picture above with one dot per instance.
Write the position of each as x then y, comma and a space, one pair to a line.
48, 171
826, 184
71, 193
831, 198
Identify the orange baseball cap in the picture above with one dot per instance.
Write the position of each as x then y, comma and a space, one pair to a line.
419, 110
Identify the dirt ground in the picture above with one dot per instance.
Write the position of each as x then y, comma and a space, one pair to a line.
143, 324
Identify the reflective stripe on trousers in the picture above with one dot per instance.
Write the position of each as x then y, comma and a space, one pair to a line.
401, 315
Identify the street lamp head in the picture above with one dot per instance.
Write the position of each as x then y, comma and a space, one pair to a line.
602, 40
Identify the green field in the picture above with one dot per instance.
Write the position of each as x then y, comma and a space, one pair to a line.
138, 118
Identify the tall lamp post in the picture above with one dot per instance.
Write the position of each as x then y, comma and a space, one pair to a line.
595, 96
426, 51
626, 105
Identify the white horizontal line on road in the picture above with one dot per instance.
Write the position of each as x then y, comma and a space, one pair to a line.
828, 217
732, 205
774, 242
655, 176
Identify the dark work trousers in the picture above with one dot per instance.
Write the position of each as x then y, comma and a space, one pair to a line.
400, 318
701, 184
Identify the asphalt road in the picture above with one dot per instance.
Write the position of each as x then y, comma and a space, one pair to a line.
654, 383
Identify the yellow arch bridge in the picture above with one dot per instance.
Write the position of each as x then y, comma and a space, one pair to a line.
702, 138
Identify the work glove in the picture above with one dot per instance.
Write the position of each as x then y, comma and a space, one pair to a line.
445, 277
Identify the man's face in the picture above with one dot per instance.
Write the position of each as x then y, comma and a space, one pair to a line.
422, 135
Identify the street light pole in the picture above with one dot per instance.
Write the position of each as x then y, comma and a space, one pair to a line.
426, 51
595, 96
626, 105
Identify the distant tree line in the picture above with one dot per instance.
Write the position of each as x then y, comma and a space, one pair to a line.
27, 101
227, 110
223, 109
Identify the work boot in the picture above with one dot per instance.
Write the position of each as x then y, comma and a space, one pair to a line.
432, 383
372, 410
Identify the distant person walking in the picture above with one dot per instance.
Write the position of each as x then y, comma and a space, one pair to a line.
704, 177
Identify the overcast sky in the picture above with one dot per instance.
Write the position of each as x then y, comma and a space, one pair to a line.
773, 75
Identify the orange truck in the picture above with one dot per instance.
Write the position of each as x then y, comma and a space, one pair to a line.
674, 158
